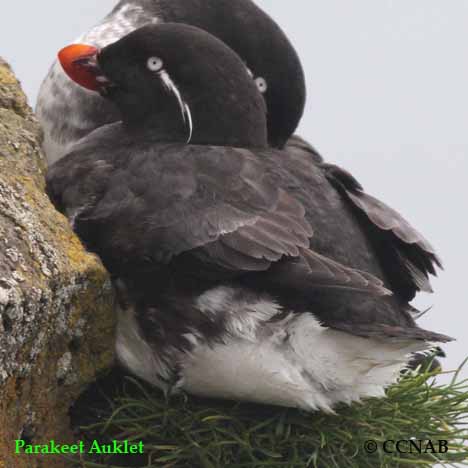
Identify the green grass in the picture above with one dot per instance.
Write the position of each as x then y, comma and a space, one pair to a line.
188, 432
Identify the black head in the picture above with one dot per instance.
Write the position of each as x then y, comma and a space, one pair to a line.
178, 82
261, 44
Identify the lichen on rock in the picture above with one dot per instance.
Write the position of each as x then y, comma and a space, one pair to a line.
56, 320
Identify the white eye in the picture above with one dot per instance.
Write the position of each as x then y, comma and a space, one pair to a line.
262, 85
155, 64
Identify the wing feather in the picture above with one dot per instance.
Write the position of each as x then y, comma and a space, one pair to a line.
220, 208
406, 255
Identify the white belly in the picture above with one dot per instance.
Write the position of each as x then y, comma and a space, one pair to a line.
301, 365
294, 362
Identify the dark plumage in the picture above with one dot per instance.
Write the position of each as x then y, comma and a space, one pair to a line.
400, 255
399, 252
239, 23
239, 252
405, 256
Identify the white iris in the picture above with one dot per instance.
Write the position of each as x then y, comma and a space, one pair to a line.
262, 84
155, 64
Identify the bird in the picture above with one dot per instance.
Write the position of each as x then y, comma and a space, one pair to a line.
68, 112
224, 251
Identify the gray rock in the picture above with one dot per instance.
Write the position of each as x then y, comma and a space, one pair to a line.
56, 320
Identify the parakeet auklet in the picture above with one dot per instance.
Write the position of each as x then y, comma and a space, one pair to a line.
372, 236
217, 243
68, 112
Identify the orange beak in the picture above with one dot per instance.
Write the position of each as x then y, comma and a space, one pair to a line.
79, 62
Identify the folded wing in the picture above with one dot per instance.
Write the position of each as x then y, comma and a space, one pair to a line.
216, 212
405, 255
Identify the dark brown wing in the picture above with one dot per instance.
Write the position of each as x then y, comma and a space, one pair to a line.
405, 255
213, 208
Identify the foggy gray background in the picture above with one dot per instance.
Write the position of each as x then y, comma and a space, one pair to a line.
387, 99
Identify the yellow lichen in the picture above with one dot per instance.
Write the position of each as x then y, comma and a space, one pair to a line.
7, 77
74, 300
